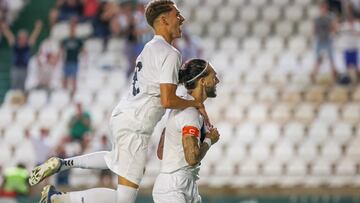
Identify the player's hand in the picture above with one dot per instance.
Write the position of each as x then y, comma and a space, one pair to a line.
201, 108
213, 135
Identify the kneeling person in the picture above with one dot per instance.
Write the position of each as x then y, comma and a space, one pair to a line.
185, 143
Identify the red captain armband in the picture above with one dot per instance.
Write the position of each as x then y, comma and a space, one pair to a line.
191, 131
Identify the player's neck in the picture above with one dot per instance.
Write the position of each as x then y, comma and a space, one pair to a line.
166, 35
198, 94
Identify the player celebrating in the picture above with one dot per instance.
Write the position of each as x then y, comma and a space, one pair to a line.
133, 120
183, 148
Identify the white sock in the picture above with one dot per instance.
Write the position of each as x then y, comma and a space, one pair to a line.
94, 160
126, 194
94, 195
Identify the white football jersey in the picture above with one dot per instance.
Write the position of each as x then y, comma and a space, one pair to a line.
173, 152
159, 62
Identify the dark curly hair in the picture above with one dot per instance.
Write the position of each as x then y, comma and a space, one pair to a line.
191, 69
156, 7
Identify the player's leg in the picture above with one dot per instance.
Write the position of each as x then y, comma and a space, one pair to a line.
94, 195
53, 165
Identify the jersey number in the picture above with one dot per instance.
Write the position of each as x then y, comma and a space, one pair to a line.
138, 68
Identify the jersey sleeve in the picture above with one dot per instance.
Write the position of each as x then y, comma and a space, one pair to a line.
188, 122
170, 68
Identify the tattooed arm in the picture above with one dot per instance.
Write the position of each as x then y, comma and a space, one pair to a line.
195, 153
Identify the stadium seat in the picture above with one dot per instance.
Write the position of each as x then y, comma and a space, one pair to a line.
342, 132
255, 77
25, 154
261, 29
308, 150
84, 97
283, 152
84, 30
214, 155
297, 45
321, 167
273, 168
226, 14
60, 31
234, 114
294, 13
351, 113
269, 133
278, 78
93, 45
312, 12
246, 133
305, 28
265, 61
315, 94
268, 94
274, 45
249, 168
338, 95
235, 152
318, 132
26, 116
116, 45
331, 151
284, 29
280, 3
229, 44
5, 155
291, 94
281, 112
258, 3
294, 132
305, 112
288, 62
13, 135
239, 29
216, 29
195, 28
258, 113
345, 167
271, 13
60, 98
226, 130
48, 117
296, 167
37, 99
236, 3
328, 112
259, 152
204, 14
6, 116
249, 13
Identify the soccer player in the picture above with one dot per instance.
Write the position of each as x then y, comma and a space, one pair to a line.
133, 120
185, 143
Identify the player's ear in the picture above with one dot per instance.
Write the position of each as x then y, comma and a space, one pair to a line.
164, 20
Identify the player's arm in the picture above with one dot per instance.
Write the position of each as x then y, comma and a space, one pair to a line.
160, 149
194, 152
170, 100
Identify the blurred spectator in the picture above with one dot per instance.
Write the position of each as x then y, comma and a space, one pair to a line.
90, 9
188, 46
324, 28
350, 32
72, 46
42, 146
80, 123
335, 6
45, 70
101, 23
355, 8
65, 10
16, 180
22, 52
